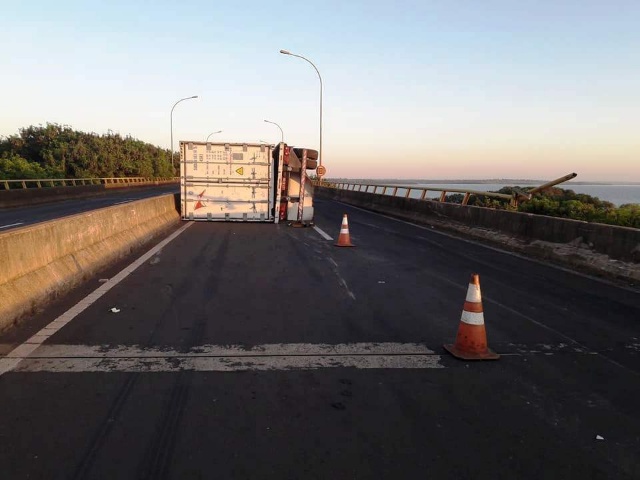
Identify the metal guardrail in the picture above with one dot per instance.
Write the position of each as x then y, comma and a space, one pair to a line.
409, 191
517, 196
77, 182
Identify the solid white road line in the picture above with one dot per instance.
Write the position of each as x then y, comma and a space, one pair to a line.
207, 350
213, 358
322, 233
17, 355
483, 245
11, 225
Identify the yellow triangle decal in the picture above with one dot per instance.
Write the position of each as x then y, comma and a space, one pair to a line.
240, 171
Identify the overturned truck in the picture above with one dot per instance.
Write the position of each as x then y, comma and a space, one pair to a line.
246, 182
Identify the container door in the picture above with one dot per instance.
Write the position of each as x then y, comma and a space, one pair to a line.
232, 182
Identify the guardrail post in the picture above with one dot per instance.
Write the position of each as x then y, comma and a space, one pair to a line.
24, 184
465, 200
424, 194
408, 193
443, 196
395, 190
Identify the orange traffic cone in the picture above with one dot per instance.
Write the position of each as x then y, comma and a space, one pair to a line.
471, 341
344, 240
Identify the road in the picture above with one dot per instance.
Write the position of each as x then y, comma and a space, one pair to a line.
22, 216
263, 351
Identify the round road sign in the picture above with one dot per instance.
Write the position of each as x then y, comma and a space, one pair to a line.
321, 170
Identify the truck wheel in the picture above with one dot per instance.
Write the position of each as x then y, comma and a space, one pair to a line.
311, 154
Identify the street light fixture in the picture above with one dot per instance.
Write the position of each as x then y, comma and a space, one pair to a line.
213, 133
174, 106
281, 132
287, 52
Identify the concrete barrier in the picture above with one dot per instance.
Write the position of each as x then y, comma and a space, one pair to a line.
41, 261
536, 234
35, 196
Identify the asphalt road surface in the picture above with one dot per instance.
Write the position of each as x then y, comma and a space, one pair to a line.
21, 216
263, 351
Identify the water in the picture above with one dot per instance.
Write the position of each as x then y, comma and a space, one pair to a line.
616, 194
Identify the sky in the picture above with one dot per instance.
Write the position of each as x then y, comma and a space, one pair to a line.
431, 89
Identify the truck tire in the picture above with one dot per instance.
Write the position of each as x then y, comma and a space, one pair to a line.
311, 154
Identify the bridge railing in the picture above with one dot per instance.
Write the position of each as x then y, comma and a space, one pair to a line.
77, 182
409, 191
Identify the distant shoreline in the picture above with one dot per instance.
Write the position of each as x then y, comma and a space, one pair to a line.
505, 181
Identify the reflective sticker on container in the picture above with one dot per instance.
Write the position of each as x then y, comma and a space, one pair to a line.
200, 203
240, 171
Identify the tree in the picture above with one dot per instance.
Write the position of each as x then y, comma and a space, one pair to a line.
63, 152
14, 167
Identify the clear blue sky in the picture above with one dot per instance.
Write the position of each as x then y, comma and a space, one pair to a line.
412, 89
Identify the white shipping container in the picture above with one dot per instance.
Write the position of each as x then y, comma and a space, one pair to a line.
227, 181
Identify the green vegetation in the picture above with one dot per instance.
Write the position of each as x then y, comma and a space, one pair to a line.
56, 151
558, 202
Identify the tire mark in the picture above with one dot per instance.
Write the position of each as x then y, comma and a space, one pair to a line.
104, 429
89, 457
156, 463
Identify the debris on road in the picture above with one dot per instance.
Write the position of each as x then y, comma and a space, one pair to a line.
114, 310
598, 437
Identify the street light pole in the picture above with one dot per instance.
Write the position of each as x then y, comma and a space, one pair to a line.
286, 52
213, 133
174, 106
281, 132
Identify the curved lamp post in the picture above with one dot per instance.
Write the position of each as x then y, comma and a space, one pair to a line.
174, 106
213, 133
286, 52
281, 132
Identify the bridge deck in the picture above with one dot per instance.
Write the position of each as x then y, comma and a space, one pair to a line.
262, 351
